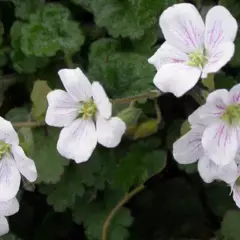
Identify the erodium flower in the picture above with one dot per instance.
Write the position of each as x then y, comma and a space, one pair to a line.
221, 137
13, 161
188, 149
192, 49
7, 208
85, 112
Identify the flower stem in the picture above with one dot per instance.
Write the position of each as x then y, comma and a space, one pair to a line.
150, 94
28, 124
68, 61
157, 110
124, 200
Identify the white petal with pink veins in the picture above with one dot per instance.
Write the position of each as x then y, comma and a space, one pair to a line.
188, 149
167, 54
220, 143
183, 27
219, 57
176, 78
221, 27
234, 94
210, 171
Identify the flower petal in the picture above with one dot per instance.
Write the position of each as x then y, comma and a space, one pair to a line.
234, 94
101, 99
78, 140
220, 96
9, 207
9, 178
167, 54
183, 27
62, 109
214, 107
176, 78
219, 57
4, 227
188, 148
221, 27
220, 143
110, 132
7, 132
25, 165
195, 119
209, 171
236, 195
76, 84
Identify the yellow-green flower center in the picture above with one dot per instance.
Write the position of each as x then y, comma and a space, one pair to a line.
4, 148
232, 114
88, 109
197, 59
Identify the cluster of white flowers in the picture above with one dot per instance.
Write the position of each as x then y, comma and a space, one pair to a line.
192, 50
13, 163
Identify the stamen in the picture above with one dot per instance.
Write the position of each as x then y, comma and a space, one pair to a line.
232, 114
4, 148
88, 109
197, 59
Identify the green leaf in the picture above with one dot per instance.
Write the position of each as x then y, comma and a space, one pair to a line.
23, 8
230, 226
121, 73
86, 4
138, 166
94, 214
128, 18
63, 194
144, 45
51, 30
20, 114
21, 62
39, 99
74, 181
50, 165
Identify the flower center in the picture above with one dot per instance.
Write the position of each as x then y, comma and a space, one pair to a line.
88, 109
4, 148
197, 59
232, 114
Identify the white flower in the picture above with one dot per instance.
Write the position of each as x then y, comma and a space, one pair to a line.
192, 49
221, 113
13, 161
188, 149
7, 208
77, 110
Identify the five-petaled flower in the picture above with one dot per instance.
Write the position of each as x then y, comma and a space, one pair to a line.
188, 149
13, 161
85, 112
192, 49
221, 113
7, 208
